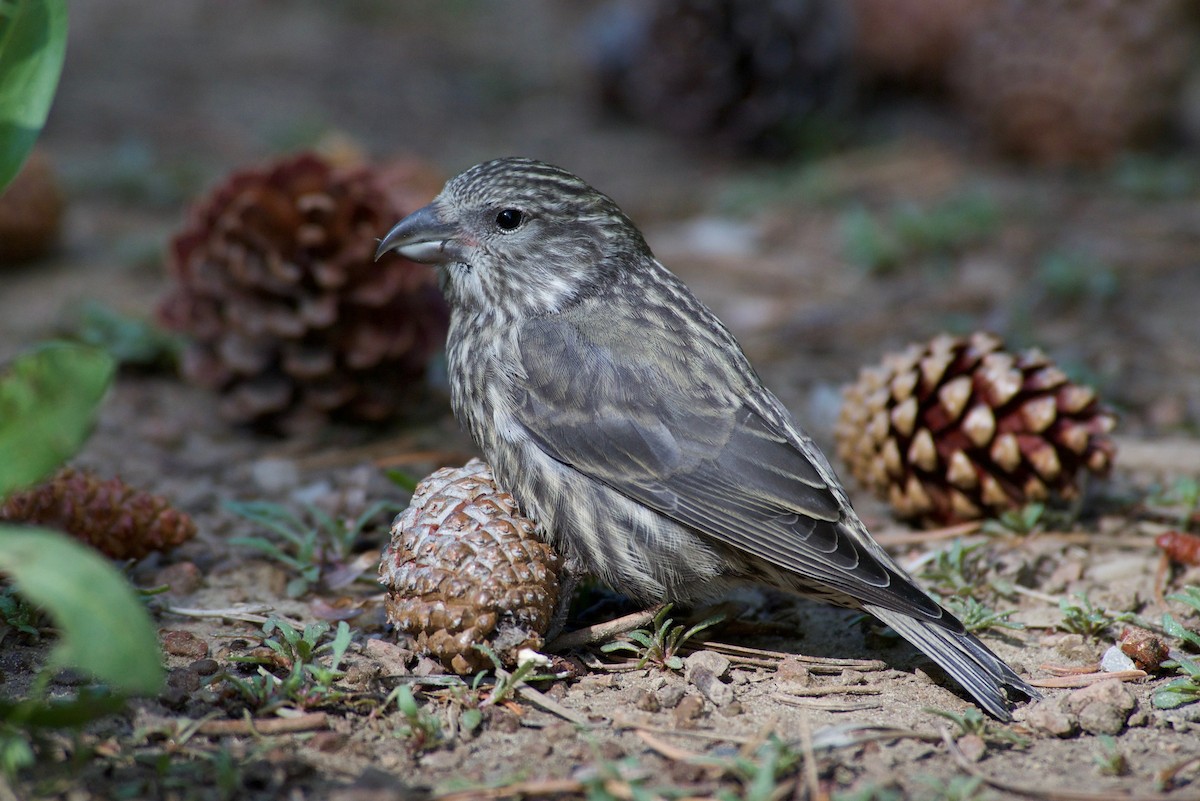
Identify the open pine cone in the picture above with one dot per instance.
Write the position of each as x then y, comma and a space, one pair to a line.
911, 41
289, 316
1073, 81
960, 429
118, 520
464, 567
744, 73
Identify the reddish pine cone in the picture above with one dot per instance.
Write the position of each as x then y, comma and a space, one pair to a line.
288, 313
960, 429
748, 74
1073, 81
111, 516
464, 567
31, 209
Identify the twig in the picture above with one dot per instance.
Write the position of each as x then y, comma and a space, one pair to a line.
811, 780
601, 632
1088, 679
672, 752
548, 704
267, 726
1070, 670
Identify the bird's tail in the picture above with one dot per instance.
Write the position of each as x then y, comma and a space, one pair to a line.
983, 674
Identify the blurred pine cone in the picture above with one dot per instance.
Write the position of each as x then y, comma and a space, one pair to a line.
747, 74
960, 429
31, 209
911, 41
289, 316
111, 516
464, 567
1073, 81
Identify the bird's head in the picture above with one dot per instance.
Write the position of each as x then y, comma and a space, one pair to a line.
519, 236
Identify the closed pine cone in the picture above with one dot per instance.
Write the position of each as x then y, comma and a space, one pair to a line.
118, 520
960, 429
464, 568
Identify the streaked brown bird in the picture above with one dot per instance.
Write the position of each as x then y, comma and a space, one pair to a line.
624, 417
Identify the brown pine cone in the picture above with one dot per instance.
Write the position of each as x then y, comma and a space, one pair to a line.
960, 429
1073, 81
911, 41
288, 313
464, 567
31, 209
111, 516
747, 74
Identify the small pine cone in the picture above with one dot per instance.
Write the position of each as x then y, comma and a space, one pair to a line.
31, 209
960, 429
747, 74
290, 318
111, 516
911, 41
464, 567
1073, 81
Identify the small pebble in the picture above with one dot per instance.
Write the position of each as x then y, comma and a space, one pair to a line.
1116, 660
713, 688
204, 667
647, 701
182, 578
1102, 708
274, 475
711, 661
689, 709
670, 696
184, 643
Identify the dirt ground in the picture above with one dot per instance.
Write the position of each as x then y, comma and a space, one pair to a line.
1101, 269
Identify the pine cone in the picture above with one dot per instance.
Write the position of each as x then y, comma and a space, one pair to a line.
464, 567
912, 41
748, 74
31, 209
111, 516
1073, 81
960, 429
289, 315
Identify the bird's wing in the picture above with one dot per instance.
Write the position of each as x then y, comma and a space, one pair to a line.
668, 431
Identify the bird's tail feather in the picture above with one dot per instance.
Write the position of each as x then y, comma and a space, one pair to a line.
983, 674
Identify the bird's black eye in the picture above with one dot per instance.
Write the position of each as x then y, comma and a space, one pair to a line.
509, 219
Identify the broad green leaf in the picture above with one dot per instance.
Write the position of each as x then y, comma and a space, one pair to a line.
33, 43
104, 629
48, 398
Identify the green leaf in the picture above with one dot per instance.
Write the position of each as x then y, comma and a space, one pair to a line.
104, 628
48, 398
33, 43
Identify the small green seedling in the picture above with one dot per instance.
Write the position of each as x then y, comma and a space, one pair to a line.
660, 645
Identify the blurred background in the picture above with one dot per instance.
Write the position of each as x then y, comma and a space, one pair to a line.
836, 179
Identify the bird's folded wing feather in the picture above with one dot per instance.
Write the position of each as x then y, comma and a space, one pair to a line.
680, 441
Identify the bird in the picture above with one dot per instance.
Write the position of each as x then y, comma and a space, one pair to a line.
626, 419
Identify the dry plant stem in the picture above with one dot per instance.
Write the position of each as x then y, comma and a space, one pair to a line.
268, 726
901, 537
759, 657
814, 692
827, 706
246, 613
1071, 670
602, 632
1088, 679
1037, 792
